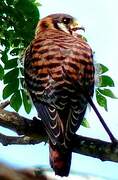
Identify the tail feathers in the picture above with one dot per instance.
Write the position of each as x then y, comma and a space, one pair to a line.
60, 161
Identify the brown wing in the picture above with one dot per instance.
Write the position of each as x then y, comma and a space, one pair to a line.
51, 58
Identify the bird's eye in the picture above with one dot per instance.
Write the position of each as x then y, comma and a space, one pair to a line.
66, 20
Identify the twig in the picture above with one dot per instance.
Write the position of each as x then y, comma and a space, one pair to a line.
4, 104
23, 140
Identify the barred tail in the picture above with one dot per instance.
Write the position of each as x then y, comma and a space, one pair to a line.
60, 161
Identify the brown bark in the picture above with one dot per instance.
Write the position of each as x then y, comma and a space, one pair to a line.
33, 132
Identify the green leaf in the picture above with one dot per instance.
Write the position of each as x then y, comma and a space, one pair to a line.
10, 35
16, 101
25, 10
16, 42
1, 72
103, 68
107, 92
15, 51
5, 43
85, 123
10, 89
9, 2
4, 57
26, 101
106, 81
12, 63
11, 75
101, 100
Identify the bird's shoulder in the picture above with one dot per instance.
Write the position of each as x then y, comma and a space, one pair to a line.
58, 43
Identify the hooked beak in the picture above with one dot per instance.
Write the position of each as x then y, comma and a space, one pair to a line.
76, 26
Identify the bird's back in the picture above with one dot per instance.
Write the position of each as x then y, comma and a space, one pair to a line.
58, 67
51, 58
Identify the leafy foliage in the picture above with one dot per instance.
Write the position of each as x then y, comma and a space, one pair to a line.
18, 20
1, 72
85, 123
101, 100
101, 91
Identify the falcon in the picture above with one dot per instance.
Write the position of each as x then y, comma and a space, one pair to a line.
59, 71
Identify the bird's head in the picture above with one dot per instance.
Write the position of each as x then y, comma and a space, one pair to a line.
62, 22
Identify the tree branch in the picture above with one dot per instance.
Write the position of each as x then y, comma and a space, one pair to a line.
33, 132
22, 140
96, 148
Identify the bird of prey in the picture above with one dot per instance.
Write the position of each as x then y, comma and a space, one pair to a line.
59, 71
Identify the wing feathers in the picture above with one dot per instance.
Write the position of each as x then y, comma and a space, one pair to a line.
52, 122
